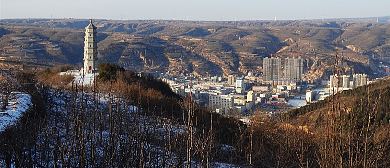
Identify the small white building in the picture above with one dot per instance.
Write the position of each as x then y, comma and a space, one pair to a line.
310, 96
240, 83
251, 97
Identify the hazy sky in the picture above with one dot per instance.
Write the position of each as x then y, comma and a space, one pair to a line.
194, 9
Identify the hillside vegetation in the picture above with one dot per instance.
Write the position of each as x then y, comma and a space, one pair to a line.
353, 125
133, 119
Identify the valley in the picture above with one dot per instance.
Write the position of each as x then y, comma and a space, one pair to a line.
180, 48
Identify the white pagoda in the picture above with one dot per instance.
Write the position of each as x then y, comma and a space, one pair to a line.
90, 50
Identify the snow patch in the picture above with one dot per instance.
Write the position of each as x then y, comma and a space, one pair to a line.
18, 103
79, 78
86, 79
221, 165
297, 101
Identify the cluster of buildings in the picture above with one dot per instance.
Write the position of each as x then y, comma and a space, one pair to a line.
232, 95
345, 82
337, 83
240, 95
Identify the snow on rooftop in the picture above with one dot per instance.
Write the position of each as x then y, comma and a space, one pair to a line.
297, 101
17, 105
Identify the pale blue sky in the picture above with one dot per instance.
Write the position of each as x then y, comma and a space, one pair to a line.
194, 9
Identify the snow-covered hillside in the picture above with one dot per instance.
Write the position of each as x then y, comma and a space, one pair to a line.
118, 134
18, 103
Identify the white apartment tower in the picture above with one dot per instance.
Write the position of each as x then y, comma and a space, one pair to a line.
240, 83
90, 49
359, 80
343, 84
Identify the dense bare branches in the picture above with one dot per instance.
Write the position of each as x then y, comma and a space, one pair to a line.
126, 123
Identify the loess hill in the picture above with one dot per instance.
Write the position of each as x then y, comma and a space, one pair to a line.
202, 48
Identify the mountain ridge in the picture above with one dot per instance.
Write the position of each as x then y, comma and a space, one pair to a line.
218, 48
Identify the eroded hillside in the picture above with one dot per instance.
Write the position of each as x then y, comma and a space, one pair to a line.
201, 48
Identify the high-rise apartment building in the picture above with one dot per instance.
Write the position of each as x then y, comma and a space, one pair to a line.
293, 69
231, 80
271, 69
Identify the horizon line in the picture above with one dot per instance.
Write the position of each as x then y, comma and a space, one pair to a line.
189, 20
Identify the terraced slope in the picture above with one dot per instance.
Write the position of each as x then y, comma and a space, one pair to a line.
201, 48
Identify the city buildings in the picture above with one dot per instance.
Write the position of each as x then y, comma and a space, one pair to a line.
346, 83
251, 97
293, 70
240, 83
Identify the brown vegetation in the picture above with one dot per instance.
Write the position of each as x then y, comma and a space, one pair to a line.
351, 128
52, 77
140, 111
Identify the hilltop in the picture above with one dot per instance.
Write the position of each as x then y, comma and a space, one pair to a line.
132, 119
199, 47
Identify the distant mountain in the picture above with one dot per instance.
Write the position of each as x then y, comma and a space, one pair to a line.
200, 47
382, 19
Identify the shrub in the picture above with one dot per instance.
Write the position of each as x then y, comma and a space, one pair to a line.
108, 71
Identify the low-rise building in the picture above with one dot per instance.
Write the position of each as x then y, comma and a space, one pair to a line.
221, 102
251, 96
260, 88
